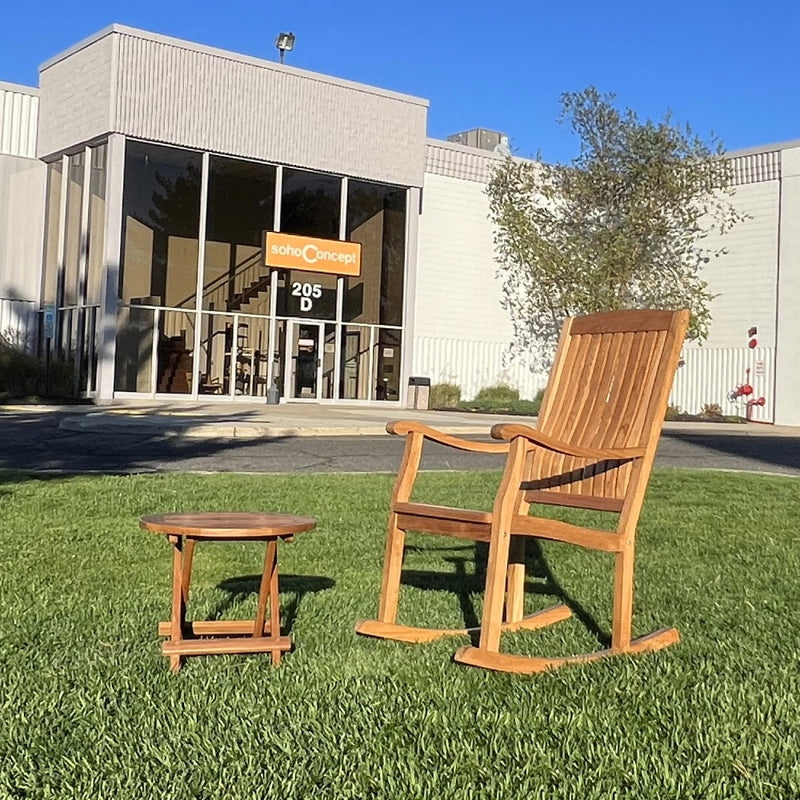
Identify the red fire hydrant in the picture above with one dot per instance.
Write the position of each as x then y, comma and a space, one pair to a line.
756, 401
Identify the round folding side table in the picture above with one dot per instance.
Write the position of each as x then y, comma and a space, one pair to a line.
210, 637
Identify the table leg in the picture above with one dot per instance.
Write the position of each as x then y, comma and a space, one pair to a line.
188, 556
274, 601
178, 598
269, 591
263, 591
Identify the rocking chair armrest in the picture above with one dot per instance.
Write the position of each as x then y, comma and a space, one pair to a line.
509, 431
403, 427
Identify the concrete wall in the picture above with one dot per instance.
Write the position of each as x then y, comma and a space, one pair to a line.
462, 333
745, 278
787, 371
166, 90
22, 187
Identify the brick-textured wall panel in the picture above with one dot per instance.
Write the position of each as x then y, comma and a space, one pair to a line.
745, 278
76, 98
458, 294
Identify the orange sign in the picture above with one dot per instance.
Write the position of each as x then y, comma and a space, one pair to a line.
313, 255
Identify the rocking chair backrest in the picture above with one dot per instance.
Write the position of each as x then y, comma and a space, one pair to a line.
608, 388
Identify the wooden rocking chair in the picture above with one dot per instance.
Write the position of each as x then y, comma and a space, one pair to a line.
593, 448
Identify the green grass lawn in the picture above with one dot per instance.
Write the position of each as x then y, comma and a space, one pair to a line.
89, 708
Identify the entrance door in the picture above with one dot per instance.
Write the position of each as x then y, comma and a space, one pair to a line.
304, 374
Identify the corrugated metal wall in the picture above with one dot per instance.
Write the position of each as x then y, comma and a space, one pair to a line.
473, 366
710, 374
19, 109
19, 323
707, 376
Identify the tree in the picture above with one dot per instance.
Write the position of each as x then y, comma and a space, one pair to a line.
624, 225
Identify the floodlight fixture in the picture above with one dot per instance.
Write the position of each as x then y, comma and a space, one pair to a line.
284, 42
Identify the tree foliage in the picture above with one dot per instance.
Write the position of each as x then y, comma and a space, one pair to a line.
625, 225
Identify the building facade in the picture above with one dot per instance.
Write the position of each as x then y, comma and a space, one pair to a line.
206, 224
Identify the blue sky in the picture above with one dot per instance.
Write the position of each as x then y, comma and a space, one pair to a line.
730, 68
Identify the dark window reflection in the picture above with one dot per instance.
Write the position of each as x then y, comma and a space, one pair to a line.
50, 289
161, 220
72, 246
97, 218
310, 204
376, 217
241, 207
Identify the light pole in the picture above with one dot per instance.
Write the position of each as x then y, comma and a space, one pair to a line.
284, 42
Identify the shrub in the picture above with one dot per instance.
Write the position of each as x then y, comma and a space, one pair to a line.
445, 395
503, 405
502, 393
23, 375
711, 411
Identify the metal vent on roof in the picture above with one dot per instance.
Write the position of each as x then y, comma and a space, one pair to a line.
483, 139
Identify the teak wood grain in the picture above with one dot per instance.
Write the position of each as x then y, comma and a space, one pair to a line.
260, 635
593, 448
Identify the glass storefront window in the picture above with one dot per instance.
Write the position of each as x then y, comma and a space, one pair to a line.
306, 294
134, 351
174, 353
160, 223
72, 244
354, 379
324, 345
241, 208
97, 218
310, 204
376, 217
52, 258
233, 355
387, 365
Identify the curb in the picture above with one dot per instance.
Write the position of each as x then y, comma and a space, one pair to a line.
184, 428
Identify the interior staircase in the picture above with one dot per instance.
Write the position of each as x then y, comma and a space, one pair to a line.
174, 365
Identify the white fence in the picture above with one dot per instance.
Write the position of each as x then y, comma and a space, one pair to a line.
707, 376
711, 376
19, 323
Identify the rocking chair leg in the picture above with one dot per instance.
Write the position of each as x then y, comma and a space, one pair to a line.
515, 577
495, 589
392, 567
623, 601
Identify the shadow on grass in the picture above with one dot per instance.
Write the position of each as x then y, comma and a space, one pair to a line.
295, 585
540, 580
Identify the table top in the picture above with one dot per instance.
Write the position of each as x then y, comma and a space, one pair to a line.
227, 524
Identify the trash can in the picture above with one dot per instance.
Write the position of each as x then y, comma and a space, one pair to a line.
419, 392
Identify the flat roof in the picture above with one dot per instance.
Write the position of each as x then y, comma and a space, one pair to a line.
18, 87
763, 148
231, 56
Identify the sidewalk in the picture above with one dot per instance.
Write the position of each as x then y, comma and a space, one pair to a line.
210, 420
